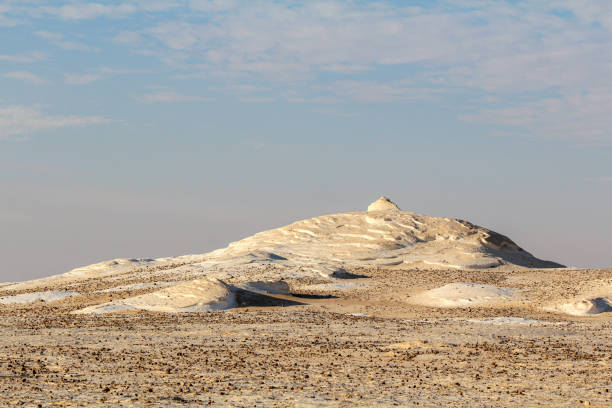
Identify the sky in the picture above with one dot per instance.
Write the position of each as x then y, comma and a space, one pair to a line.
135, 128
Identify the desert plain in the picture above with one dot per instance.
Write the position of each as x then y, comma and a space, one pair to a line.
397, 310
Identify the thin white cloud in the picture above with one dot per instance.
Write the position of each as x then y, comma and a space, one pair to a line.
590, 11
27, 77
23, 58
503, 50
156, 6
81, 79
48, 35
170, 97
372, 91
73, 46
122, 71
583, 115
177, 35
88, 11
346, 68
212, 5
100, 73
383, 52
19, 121
128, 37
58, 40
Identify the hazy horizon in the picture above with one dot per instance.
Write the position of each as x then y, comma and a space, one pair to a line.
145, 129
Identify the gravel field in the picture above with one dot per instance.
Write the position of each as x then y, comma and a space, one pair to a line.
351, 347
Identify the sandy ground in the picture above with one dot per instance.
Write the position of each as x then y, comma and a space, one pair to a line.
357, 342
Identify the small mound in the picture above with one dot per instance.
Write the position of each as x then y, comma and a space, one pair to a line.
48, 296
585, 307
200, 295
383, 204
461, 294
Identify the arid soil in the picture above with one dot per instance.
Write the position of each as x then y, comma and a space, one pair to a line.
363, 344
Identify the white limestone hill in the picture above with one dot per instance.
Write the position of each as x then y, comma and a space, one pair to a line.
326, 247
383, 236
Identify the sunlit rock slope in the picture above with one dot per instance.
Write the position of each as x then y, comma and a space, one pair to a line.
327, 247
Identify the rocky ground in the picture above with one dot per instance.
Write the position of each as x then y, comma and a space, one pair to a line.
358, 343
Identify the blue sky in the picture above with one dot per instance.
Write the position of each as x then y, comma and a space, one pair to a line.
157, 128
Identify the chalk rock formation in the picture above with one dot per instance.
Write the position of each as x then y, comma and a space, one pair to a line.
327, 247
383, 236
199, 295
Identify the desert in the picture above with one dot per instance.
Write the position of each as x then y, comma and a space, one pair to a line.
300, 204
379, 307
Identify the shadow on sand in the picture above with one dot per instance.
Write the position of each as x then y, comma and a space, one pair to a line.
245, 298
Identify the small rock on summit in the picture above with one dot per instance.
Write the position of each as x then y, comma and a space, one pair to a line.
383, 204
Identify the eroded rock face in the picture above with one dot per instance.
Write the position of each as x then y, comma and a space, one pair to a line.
493, 239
